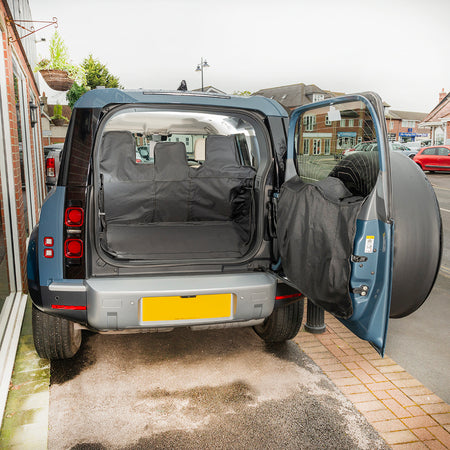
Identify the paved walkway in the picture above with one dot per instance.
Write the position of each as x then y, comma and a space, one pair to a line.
404, 412
25, 422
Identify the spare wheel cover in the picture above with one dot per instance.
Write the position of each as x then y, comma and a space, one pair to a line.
417, 236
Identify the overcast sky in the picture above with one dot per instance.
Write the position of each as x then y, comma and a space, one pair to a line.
398, 48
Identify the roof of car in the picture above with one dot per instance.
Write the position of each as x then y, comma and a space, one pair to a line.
55, 145
98, 98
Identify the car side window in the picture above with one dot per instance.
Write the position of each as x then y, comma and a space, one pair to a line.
443, 151
429, 151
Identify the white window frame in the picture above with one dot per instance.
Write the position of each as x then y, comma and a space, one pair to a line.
309, 122
306, 146
408, 123
318, 97
317, 143
351, 122
26, 146
327, 146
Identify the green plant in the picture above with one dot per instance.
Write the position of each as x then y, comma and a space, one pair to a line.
97, 74
57, 113
242, 93
59, 60
75, 92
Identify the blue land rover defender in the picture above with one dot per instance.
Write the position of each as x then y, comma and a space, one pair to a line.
182, 209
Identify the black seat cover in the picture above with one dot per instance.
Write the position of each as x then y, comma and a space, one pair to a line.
221, 184
172, 182
128, 186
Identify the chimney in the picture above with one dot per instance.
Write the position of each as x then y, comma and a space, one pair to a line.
442, 95
44, 103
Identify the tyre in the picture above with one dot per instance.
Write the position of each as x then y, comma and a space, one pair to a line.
283, 324
54, 337
358, 171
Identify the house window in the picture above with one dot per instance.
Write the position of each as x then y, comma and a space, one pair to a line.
342, 122
306, 146
318, 97
351, 122
327, 146
408, 123
391, 124
327, 121
309, 122
316, 146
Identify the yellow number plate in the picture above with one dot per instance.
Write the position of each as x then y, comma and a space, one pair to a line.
185, 308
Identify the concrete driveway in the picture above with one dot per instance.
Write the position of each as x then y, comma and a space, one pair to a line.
203, 389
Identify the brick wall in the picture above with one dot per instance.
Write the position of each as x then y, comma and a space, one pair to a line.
10, 51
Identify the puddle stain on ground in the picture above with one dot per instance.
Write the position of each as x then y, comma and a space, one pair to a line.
237, 392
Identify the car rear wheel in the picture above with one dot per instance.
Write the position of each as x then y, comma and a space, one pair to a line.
54, 337
283, 324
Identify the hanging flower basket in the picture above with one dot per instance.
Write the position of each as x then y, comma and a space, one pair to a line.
58, 80
59, 122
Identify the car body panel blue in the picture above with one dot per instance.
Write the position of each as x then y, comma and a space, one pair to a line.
371, 311
99, 98
51, 225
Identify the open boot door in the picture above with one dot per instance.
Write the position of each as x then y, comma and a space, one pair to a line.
350, 237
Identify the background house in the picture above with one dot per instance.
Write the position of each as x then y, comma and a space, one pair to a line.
405, 126
295, 95
438, 120
209, 90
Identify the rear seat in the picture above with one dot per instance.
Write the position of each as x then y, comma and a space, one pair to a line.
172, 182
221, 186
129, 188
171, 191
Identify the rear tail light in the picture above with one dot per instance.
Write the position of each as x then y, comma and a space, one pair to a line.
73, 248
74, 217
290, 296
50, 167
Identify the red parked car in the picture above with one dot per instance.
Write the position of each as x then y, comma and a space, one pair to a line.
436, 158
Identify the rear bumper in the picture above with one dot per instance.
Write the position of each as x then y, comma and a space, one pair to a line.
116, 303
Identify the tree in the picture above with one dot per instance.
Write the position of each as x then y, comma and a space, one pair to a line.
75, 92
242, 93
97, 74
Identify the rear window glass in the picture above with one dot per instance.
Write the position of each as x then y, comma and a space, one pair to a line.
190, 128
